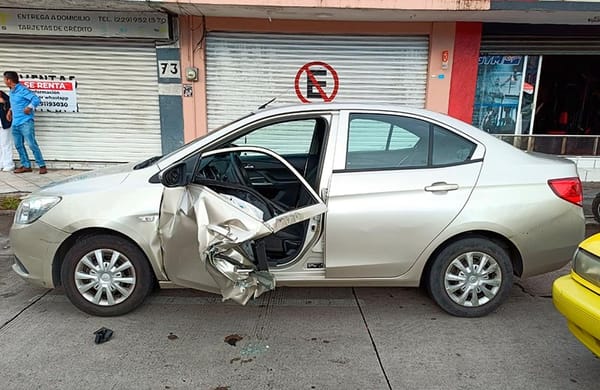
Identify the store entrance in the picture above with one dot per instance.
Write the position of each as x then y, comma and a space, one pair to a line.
568, 99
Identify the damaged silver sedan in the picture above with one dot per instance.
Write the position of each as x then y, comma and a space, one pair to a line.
311, 195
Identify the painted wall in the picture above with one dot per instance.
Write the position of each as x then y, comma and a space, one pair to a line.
191, 42
169, 99
464, 74
194, 29
441, 40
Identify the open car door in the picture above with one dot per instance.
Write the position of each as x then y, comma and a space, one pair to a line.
213, 222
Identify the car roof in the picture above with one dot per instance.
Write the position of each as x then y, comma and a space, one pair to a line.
340, 106
282, 109
354, 106
395, 108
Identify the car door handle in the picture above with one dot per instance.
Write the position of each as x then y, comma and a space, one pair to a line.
441, 187
248, 166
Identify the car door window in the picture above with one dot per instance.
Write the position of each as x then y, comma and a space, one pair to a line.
450, 148
300, 141
284, 138
377, 141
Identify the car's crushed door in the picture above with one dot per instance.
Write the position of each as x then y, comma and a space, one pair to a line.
209, 235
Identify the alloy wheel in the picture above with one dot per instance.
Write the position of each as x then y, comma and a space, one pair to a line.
105, 277
472, 279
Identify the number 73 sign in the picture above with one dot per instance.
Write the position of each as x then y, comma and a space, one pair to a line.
169, 69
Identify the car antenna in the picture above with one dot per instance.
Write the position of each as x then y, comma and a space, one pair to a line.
267, 103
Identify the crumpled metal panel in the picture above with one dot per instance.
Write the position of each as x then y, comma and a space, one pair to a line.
291, 217
236, 281
225, 225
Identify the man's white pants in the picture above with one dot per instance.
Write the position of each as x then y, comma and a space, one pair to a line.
6, 150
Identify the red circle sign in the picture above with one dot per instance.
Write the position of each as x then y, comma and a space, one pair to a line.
314, 83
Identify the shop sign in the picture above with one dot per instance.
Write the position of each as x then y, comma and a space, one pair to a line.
322, 82
500, 60
55, 95
84, 23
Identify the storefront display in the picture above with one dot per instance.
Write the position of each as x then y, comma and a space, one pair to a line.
498, 93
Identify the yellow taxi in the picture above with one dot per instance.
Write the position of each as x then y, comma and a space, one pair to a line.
577, 295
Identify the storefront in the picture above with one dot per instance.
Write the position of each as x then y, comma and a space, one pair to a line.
542, 83
242, 64
97, 76
246, 70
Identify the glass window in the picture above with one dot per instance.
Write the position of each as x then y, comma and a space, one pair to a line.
450, 148
386, 141
284, 138
502, 94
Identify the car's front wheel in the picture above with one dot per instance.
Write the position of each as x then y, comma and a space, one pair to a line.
470, 277
106, 275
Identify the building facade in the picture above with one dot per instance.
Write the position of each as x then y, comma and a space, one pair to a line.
524, 70
103, 78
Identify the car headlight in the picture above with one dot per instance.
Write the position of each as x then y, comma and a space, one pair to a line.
34, 207
587, 266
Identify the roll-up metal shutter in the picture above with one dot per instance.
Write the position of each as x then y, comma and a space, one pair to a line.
245, 71
535, 45
117, 97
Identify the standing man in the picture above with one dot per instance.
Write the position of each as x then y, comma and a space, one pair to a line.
23, 103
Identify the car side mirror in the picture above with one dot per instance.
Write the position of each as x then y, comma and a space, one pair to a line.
175, 176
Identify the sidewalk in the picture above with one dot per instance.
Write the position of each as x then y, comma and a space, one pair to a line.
22, 183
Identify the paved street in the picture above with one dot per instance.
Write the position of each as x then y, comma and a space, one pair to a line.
339, 338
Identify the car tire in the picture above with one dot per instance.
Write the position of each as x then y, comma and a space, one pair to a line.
470, 277
596, 208
116, 286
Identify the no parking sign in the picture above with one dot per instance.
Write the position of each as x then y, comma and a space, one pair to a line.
322, 82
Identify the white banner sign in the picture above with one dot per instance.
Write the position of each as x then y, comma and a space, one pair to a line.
56, 96
84, 23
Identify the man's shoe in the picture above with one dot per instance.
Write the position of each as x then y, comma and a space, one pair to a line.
43, 170
23, 169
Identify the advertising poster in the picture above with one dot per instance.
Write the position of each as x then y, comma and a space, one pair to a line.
497, 95
55, 95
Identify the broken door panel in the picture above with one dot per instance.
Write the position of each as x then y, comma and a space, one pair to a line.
208, 235
203, 231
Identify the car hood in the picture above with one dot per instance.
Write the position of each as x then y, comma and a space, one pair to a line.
89, 181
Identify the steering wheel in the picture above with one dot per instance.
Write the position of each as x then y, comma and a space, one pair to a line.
237, 167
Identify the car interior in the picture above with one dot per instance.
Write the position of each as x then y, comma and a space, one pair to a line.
266, 183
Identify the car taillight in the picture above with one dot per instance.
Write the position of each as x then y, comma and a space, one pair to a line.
568, 189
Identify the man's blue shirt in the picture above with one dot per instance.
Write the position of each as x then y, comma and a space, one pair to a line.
21, 97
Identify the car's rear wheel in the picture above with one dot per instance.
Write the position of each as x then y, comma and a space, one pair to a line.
470, 277
106, 275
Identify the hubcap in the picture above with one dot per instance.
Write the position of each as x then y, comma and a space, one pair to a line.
105, 277
473, 279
